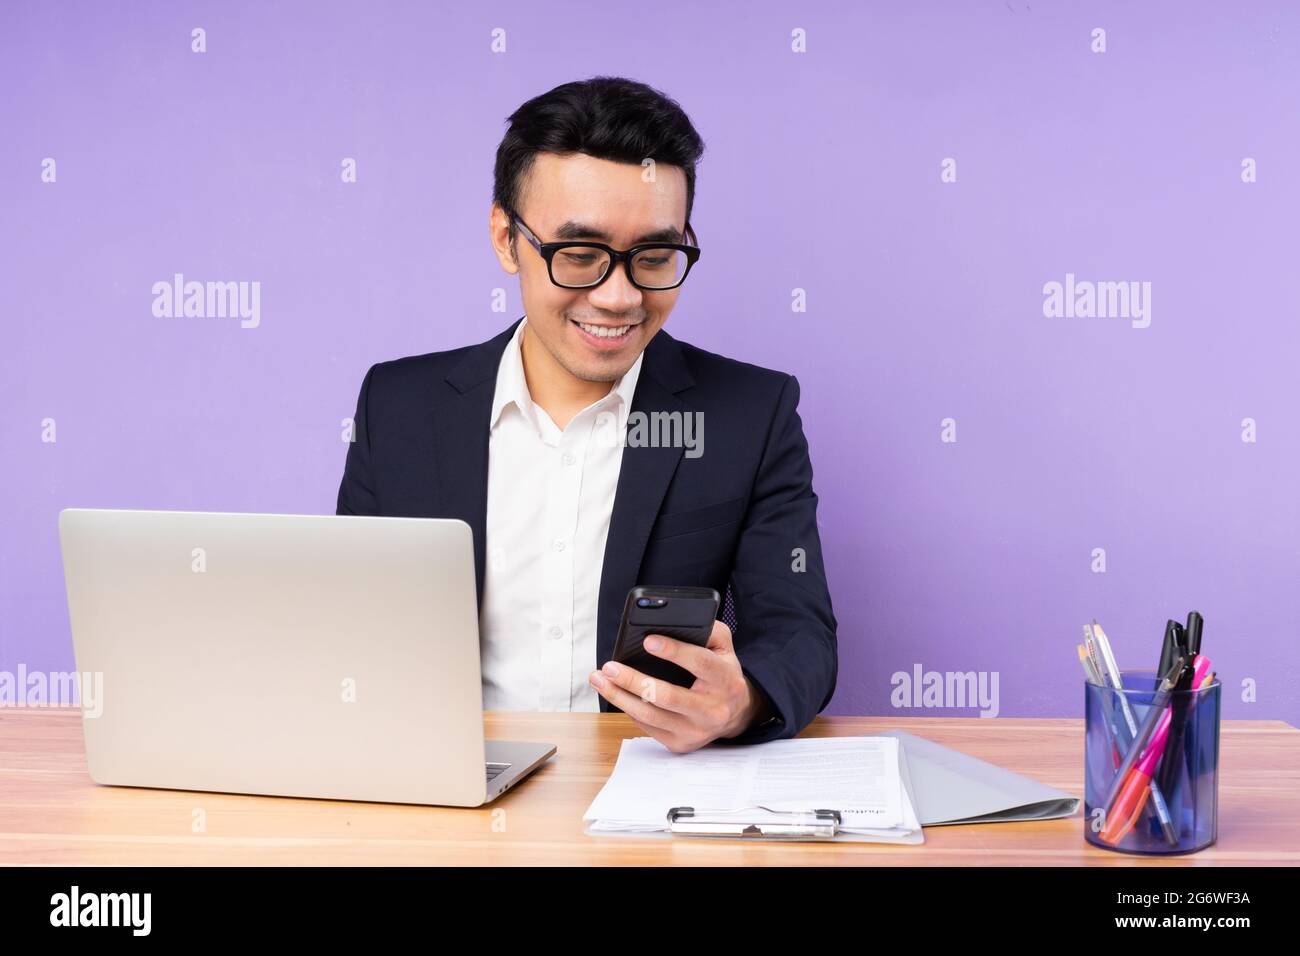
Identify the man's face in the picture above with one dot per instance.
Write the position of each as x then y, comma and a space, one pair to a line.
608, 202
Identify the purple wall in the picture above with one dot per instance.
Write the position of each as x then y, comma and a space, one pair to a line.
823, 172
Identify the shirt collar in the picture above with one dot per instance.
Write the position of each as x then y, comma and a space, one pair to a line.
512, 386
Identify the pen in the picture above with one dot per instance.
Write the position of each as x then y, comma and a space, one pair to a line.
1195, 740
1137, 786
1190, 682
1180, 709
1093, 654
1090, 672
1195, 624
1191, 636
1107, 656
1158, 702
1170, 646
1167, 827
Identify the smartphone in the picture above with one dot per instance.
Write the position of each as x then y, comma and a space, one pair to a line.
686, 614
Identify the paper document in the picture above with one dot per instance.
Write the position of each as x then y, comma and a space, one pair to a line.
865, 778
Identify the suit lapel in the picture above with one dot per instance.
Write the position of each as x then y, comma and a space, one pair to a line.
461, 443
643, 481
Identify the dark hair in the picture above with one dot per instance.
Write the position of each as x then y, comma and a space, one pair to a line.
606, 117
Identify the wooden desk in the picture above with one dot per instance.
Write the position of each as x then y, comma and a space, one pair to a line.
52, 813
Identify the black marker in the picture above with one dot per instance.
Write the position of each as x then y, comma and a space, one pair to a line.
1171, 766
1195, 624
1169, 650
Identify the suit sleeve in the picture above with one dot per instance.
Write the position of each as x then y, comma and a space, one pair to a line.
785, 634
356, 490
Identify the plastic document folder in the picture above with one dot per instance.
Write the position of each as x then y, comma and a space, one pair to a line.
779, 789
953, 787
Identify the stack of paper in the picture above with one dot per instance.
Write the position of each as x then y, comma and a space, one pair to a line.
865, 778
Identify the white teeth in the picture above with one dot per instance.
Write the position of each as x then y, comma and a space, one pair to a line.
606, 332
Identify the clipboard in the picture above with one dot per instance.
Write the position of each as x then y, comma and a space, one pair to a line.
744, 822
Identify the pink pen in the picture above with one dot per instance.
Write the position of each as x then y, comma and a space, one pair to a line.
1137, 788
1200, 670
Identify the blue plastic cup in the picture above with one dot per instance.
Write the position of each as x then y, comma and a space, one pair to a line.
1181, 811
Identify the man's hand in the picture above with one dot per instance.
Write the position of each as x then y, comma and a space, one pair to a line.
721, 703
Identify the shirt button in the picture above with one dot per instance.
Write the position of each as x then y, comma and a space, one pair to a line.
567, 458
557, 633
558, 545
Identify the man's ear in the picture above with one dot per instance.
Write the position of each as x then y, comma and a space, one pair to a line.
499, 233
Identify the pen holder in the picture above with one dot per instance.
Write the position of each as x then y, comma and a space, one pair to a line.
1180, 813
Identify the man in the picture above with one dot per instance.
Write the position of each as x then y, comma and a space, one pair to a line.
529, 439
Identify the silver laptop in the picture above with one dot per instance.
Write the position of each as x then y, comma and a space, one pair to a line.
291, 655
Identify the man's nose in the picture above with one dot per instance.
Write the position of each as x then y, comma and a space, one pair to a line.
616, 294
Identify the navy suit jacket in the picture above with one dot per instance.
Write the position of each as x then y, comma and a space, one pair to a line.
742, 515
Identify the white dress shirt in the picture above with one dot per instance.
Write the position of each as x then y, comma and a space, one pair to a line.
550, 495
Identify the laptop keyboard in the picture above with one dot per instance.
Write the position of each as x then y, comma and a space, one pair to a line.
495, 770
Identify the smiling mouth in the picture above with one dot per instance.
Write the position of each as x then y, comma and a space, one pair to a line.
611, 332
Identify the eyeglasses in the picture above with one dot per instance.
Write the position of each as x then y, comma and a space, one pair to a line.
652, 266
